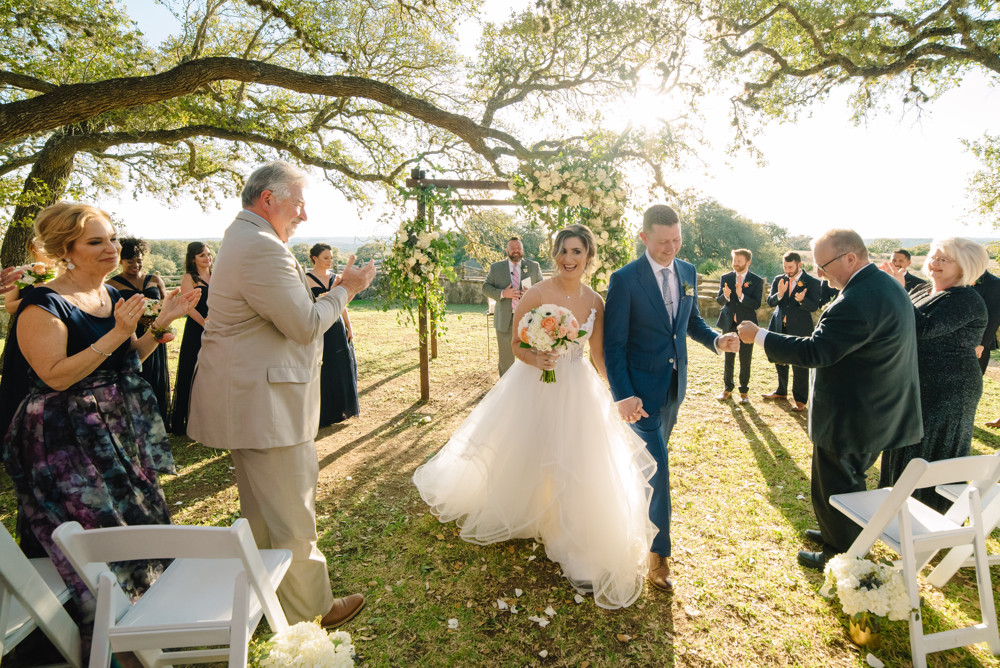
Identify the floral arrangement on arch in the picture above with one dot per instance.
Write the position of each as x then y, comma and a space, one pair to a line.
571, 190
868, 592
420, 256
304, 645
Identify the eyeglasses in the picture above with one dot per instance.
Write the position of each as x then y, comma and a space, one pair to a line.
940, 259
827, 264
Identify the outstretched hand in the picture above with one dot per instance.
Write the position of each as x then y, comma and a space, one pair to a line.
747, 331
355, 279
728, 343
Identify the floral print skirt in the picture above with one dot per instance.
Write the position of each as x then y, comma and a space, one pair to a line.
91, 454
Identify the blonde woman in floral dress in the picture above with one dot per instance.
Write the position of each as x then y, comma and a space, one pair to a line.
553, 461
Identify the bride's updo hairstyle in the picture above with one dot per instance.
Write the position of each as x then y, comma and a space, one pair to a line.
58, 226
581, 232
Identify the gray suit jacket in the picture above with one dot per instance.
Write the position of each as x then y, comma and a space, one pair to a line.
497, 279
257, 380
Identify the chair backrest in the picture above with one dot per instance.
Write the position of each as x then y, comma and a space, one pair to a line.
90, 551
27, 602
982, 471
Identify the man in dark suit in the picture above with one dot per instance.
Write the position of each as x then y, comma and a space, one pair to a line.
795, 295
827, 293
901, 260
988, 287
651, 309
740, 292
505, 282
864, 389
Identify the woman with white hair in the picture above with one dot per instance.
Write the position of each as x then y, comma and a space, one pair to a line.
951, 318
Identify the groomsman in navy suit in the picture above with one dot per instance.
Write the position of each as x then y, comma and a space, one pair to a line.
740, 292
795, 295
651, 309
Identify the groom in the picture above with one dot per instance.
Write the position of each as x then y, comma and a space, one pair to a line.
652, 306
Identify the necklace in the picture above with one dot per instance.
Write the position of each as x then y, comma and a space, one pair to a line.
100, 297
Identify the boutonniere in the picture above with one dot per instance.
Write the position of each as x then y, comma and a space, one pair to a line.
800, 284
747, 284
685, 289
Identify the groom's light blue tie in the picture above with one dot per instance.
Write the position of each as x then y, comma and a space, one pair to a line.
668, 300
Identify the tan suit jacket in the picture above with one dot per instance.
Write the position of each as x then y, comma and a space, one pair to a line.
256, 384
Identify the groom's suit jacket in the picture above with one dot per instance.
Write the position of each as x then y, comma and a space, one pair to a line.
734, 311
497, 279
641, 346
864, 391
257, 380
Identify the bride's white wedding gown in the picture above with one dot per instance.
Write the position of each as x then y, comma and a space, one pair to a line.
554, 462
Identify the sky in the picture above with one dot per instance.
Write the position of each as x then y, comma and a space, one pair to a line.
894, 176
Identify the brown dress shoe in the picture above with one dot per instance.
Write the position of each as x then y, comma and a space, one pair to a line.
659, 572
774, 395
343, 610
799, 407
744, 399
724, 396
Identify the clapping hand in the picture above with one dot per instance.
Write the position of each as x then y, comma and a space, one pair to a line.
747, 331
894, 271
8, 277
176, 305
127, 313
355, 279
729, 343
782, 287
799, 296
726, 290
631, 410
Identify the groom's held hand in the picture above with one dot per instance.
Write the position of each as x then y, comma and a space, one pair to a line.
747, 331
631, 410
729, 343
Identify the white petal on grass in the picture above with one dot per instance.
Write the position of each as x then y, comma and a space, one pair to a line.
501, 604
544, 653
873, 661
800, 497
453, 623
578, 599
518, 592
550, 611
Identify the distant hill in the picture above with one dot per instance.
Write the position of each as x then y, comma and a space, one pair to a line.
910, 242
345, 244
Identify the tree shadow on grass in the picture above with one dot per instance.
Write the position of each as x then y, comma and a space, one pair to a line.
775, 462
987, 437
401, 372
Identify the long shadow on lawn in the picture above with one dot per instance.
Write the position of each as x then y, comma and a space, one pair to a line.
401, 372
986, 437
774, 461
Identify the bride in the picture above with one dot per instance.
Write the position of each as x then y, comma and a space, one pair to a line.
553, 461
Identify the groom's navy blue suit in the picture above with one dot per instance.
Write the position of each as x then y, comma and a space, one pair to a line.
641, 350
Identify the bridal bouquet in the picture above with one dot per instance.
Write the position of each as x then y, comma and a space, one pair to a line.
38, 272
305, 645
868, 592
549, 327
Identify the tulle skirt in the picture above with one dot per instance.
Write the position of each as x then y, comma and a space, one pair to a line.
552, 462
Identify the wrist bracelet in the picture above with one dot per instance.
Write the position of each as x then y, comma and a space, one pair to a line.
160, 333
98, 351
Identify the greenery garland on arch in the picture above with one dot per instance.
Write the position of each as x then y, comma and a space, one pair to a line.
422, 254
570, 190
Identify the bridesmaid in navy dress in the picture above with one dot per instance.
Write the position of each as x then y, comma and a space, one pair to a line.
132, 281
339, 373
198, 274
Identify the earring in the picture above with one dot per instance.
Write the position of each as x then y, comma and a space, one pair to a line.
69, 264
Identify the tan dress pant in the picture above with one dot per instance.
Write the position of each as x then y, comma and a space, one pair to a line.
506, 352
277, 489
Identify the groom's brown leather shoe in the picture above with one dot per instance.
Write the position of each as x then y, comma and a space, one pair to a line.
659, 572
343, 610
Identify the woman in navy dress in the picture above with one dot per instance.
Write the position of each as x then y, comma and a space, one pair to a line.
198, 274
339, 373
87, 443
132, 281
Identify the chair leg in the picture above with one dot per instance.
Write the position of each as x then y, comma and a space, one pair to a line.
239, 631
100, 650
985, 586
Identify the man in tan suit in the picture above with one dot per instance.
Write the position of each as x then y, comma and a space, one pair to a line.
256, 386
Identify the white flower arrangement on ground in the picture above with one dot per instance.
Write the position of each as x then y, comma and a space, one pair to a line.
577, 190
549, 327
37, 272
866, 588
306, 645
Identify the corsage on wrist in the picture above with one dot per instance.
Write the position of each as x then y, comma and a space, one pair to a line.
162, 334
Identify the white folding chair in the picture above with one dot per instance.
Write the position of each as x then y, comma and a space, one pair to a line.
961, 556
917, 532
32, 595
206, 603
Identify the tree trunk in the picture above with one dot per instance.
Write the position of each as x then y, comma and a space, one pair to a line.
44, 186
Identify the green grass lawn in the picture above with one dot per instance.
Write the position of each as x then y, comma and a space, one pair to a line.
741, 498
